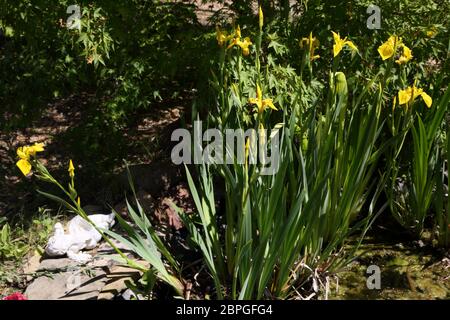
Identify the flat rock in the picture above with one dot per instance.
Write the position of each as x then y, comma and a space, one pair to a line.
105, 247
107, 261
54, 264
117, 280
74, 285
113, 288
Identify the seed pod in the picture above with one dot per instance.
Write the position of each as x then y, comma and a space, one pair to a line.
305, 142
261, 18
341, 84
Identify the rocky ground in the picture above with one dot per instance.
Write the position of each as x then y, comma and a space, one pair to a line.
63, 279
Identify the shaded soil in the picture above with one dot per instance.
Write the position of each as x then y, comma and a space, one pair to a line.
70, 131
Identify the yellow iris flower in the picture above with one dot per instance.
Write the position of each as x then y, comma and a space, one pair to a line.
71, 169
411, 93
312, 44
25, 153
222, 36
243, 44
261, 103
406, 55
390, 47
339, 44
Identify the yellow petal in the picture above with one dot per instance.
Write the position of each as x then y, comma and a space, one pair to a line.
415, 92
71, 169
393, 40
336, 37
31, 151
406, 55
351, 45
232, 43
38, 147
220, 36
337, 47
237, 32
396, 42
427, 99
260, 107
404, 96
258, 92
386, 50
22, 153
244, 45
268, 102
401, 60
253, 100
24, 166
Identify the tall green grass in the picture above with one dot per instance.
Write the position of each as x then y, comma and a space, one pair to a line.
417, 175
283, 229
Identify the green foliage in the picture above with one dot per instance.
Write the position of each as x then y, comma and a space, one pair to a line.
344, 134
18, 239
146, 244
10, 248
144, 241
416, 170
281, 228
127, 51
442, 199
